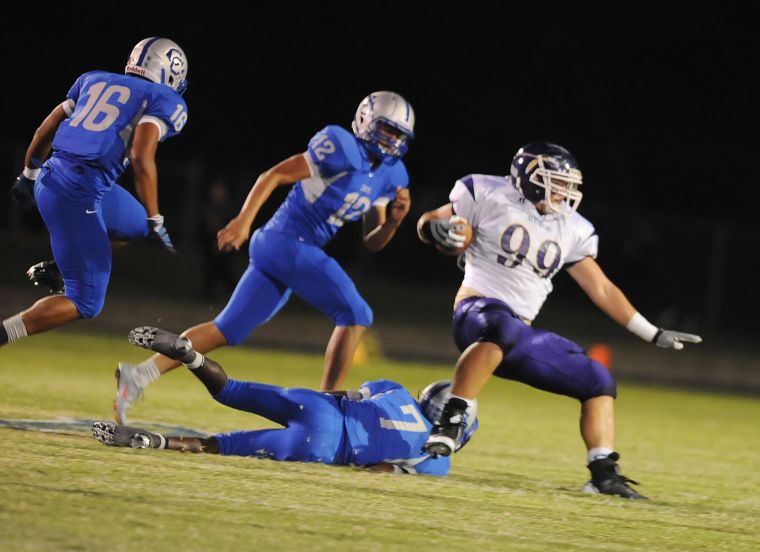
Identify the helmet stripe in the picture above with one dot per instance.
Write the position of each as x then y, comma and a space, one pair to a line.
145, 51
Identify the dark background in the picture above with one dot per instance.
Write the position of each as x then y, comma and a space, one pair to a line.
656, 104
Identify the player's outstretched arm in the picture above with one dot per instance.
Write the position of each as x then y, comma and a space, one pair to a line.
611, 300
22, 190
237, 231
442, 228
143, 158
379, 227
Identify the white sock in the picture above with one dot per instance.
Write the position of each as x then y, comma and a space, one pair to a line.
146, 372
598, 453
15, 328
197, 361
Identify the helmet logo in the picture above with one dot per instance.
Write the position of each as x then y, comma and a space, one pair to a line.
176, 63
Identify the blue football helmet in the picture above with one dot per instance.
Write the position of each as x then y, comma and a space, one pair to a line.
159, 60
541, 170
384, 121
432, 399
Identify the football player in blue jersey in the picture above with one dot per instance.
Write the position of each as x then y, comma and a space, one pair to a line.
341, 177
107, 121
380, 426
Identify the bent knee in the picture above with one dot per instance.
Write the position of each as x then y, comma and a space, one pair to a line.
359, 315
601, 382
88, 306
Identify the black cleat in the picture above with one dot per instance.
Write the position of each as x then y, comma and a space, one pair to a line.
448, 431
606, 479
47, 274
166, 343
114, 435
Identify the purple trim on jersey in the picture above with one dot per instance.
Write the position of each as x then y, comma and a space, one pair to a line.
145, 51
541, 359
469, 183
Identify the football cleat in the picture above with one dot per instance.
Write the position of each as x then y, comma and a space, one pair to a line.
442, 440
607, 479
165, 343
47, 274
127, 391
114, 435
454, 422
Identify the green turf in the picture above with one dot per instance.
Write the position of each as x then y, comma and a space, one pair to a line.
515, 486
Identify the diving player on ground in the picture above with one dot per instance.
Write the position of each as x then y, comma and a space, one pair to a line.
380, 426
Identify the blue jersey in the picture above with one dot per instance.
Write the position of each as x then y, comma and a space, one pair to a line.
389, 427
343, 187
90, 147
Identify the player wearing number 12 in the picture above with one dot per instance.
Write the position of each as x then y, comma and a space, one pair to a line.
341, 177
107, 121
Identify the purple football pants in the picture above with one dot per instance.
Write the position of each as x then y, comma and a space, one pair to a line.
541, 359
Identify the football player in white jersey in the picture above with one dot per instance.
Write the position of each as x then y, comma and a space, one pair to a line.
525, 229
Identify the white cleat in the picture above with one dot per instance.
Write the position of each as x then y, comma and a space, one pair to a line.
127, 391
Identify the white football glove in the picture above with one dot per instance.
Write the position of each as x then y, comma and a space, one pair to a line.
449, 232
668, 339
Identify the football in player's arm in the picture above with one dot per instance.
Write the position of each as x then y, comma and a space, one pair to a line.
107, 121
526, 228
380, 426
341, 177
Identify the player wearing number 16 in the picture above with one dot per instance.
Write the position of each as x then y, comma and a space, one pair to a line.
106, 122
527, 228
341, 177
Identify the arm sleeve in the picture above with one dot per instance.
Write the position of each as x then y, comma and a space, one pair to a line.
463, 199
397, 177
168, 111
586, 242
333, 151
430, 466
74, 91
369, 389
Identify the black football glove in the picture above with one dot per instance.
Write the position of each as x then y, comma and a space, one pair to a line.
22, 192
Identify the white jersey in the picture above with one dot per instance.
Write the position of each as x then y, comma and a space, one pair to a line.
516, 250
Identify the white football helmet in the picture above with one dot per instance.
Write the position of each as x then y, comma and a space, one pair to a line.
385, 122
160, 60
432, 400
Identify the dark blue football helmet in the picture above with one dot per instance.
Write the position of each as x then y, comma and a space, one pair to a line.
541, 170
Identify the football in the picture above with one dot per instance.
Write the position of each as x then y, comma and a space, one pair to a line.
466, 228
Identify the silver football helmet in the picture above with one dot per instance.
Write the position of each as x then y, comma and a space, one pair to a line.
432, 400
159, 60
384, 121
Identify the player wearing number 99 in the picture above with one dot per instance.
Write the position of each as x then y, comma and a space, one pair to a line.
340, 178
107, 121
526, 228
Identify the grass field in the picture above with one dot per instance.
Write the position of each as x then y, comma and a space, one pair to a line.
514, 487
